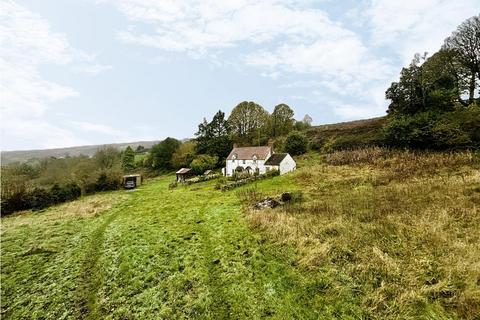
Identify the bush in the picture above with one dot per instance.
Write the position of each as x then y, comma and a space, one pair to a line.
107, 182
202, 163
39, 198
428, 130
15, 202
202, 178
296, 143
241, 182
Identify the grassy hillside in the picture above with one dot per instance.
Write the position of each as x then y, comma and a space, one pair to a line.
378, 234
25, 155
347, 135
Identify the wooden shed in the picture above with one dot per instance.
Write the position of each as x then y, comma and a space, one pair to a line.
131, 181
183, 174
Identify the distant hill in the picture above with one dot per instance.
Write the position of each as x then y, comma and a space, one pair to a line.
25, 155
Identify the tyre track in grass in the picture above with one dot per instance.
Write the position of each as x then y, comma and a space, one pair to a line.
220, 305
90, 279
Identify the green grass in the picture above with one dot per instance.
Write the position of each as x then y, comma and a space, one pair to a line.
157, 253
383, 235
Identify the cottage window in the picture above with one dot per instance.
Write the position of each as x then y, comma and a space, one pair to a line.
243, 161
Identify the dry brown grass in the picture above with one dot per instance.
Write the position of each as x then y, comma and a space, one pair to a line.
85, 207
403, 226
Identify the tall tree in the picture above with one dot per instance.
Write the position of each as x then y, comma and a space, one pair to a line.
281, 120
128, 159
465, 41
213, 138
248, 121
161, 154
406, 95
106, 158
184, 154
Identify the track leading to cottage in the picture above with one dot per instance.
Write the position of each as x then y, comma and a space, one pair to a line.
158, 253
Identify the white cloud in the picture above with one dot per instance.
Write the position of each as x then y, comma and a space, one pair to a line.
420, 27
196, 26
27, 43
93, 70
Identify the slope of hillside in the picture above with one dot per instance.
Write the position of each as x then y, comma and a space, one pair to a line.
25, 155
377, 234
346, 135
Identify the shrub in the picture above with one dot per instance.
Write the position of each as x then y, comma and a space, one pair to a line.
15, 202
202, 178
241, 182
429, 130
296, 143
39, 198
202, 163
107, 182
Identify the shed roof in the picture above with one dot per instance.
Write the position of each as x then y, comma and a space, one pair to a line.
183, 171
132, 175
275, 159
247, 153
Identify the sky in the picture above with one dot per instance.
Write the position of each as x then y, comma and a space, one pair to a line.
83, 72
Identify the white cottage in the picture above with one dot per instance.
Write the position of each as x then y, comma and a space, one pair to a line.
255, 159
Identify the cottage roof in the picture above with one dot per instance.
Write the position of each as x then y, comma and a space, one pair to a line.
183, 171
247, 153
275, 159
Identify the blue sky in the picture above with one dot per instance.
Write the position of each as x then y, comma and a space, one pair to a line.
101, 71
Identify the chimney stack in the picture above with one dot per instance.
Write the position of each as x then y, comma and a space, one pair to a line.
234, 145
271, 143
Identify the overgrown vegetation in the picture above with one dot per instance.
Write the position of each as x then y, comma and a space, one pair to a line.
398, 228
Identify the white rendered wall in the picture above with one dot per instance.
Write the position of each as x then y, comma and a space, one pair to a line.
233, 164
287, 164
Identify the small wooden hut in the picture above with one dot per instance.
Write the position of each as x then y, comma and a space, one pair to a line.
183, 174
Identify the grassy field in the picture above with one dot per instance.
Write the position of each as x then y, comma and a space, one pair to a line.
378, 234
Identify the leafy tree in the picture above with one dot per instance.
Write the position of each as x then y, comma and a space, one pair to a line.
106, 158
465, 42
140, 149
203, 162
248, 122
213, 137
161, 154
281, 120
406, 95
128, 160
296, 143
184, 155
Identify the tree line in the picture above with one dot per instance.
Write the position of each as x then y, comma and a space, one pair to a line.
248, 124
